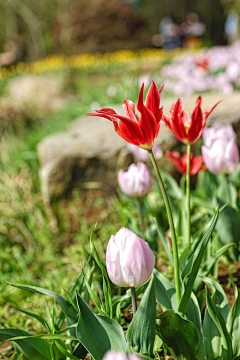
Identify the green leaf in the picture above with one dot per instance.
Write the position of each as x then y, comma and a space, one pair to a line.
191, 270
65, 352
220, 322
172, 186
45, 336
233, 322
65, 306
166, 297
193, 314
207, 184
77, 287
165, 292
55, 352
106, 284
32, 348
165, 241
228, 229
98, 334
38, 317
222, 191
141, 331
179, 335
212, 336
210, 262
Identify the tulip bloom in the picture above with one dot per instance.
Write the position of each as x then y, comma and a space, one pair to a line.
143, 155
220, 151
140, 131
117, 355
196, 163
186, 129
129, 259
135, 182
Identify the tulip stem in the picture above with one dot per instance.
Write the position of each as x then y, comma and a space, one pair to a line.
171, 225
140, 215
134, 300
188, 196
228, 189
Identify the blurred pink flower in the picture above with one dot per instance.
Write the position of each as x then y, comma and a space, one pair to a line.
143, 155
129, 259
220, 152
117, 355
136, 181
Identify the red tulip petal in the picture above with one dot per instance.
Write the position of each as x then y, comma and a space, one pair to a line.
178, 127
125, 127
153, 100
207, 113
129, 108
167, 122
196, 165
177, 161
132, 134
197, 124
147, 122
160, 89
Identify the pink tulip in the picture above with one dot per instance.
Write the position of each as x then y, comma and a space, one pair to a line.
143, 155
136, 181
117, 355
220, 152
129, 259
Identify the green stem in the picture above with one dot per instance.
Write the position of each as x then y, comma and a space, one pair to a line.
188, 196
228, 189
171, 225
134, 300
140, 215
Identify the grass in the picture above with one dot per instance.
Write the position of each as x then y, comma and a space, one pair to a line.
30, 252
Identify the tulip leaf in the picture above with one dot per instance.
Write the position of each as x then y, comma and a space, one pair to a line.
233, 321
65, 305
32, 348
141, 332
212, 336
164, 240
178, 334
227, 191
207, 184
192, 268
228, 229
165, 292
225, 348
166, 297
97, 333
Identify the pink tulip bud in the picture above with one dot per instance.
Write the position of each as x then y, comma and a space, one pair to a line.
136, 181
130, 261
220, 152
143, 155
117, 355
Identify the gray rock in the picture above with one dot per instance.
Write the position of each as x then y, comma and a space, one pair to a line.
90, 150
44, 92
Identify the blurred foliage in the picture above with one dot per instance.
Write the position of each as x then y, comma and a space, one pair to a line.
30, 29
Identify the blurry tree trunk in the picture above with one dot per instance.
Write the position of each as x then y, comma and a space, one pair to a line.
34, 26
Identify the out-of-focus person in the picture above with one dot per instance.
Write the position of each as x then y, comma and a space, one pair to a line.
169, 32
231, 27
191, 31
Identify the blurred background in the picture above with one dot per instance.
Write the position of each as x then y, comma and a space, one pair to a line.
30, 29
62, 59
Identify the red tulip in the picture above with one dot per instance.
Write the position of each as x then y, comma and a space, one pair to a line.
196, 163
140, 131
186, 129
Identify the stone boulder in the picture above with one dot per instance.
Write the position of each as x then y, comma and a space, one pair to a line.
42, 91
90, 150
